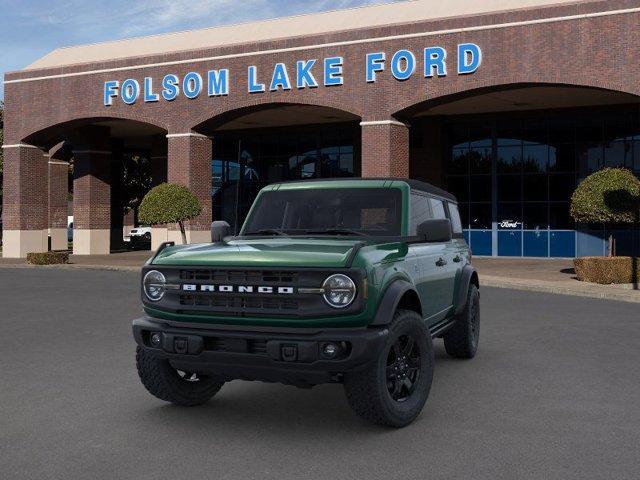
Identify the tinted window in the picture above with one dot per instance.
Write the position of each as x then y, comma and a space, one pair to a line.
372, 211
420, 211
456, 223
437, 208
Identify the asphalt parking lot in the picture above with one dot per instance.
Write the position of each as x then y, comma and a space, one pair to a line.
553, 393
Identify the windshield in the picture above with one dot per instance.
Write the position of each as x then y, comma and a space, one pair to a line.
334, 211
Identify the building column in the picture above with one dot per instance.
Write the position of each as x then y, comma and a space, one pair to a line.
159, 233
385, 149
24, 201
189, 164
58, 191
92, 193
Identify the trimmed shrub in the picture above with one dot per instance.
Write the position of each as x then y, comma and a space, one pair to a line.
169, 203
607, 270
48, 258
609, 196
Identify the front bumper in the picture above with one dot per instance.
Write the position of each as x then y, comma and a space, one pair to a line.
290, 356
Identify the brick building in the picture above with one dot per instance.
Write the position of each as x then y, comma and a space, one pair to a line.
506, 103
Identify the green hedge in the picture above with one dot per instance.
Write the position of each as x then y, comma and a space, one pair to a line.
607, 270
48, 258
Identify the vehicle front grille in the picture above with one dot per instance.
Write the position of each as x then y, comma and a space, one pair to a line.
236, 302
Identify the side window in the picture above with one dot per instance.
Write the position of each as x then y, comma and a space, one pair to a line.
437, 207
456, 223
420, 211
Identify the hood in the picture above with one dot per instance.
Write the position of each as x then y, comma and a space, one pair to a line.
264, 252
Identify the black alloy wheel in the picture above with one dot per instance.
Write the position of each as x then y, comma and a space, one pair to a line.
403, 368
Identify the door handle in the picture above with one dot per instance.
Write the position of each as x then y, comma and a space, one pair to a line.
441, 262
457, 259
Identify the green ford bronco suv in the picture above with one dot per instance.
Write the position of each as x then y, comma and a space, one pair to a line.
344, 281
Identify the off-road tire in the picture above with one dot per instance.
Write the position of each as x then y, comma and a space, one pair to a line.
164, 382
368, 390
461, 341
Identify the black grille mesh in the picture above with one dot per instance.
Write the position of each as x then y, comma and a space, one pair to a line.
237, 301
241, 277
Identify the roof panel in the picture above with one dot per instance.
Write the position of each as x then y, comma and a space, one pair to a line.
279, 28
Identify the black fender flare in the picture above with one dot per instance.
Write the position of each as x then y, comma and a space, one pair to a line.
468, 276
390, 301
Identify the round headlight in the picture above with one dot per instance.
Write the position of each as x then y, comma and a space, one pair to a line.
339, 291
153, 285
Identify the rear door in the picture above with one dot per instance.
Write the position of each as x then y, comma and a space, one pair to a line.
447, 259
460, 247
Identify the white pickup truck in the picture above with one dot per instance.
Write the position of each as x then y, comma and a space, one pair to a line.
138, 237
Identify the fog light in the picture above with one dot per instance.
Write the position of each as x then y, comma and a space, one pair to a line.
330, 350
156, 340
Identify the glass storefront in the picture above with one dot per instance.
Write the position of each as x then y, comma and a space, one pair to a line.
246, 161
514, 177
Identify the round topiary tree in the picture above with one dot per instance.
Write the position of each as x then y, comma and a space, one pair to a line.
608, 196
169, 203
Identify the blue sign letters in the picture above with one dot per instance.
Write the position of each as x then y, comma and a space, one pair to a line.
431, 62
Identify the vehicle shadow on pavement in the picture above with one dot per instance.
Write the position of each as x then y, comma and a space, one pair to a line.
247, 407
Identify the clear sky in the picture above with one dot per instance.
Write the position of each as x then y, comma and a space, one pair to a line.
31, 28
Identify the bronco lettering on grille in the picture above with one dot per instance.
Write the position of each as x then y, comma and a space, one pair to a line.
191, 287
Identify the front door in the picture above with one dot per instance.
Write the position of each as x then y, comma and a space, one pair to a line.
435, 275
432, 263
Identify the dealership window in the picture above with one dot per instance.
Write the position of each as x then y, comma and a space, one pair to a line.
246, 161
535, 160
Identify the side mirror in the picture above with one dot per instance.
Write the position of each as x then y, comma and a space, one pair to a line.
436, 230
219, 230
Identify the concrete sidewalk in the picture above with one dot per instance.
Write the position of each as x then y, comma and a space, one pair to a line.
538, 275
547, 275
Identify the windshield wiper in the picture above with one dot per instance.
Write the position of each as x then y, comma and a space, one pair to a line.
337, 231
268, 231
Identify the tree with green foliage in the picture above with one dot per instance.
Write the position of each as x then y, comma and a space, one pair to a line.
609, 196
169, 203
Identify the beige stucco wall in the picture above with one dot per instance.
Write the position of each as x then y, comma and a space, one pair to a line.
17, 243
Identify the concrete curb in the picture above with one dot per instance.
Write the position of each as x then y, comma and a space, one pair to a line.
604, 292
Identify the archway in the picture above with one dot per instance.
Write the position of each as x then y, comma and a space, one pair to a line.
263, 144
112, 163
513, 155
